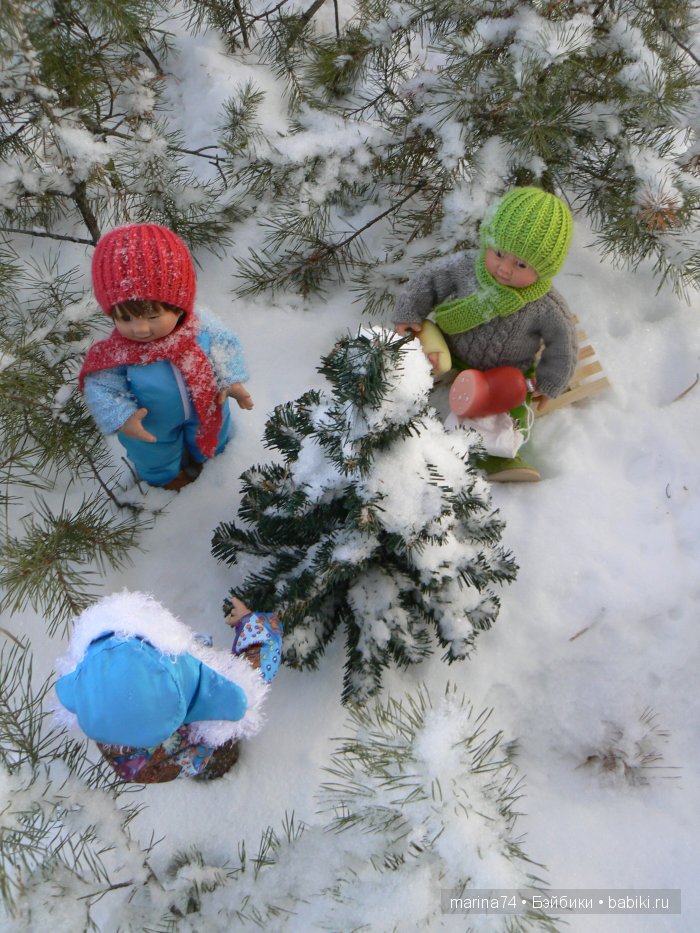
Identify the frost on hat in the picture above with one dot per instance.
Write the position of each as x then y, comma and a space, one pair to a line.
145, 262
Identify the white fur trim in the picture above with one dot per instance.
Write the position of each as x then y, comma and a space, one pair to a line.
239, 670
138, 614
62, 718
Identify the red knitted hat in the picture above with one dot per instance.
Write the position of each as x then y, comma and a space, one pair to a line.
144, 262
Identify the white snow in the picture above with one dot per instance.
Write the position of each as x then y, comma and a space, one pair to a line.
547, 41
600, 625
403, 477
81, 149
643, 68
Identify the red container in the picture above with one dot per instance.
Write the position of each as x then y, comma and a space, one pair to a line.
476, 394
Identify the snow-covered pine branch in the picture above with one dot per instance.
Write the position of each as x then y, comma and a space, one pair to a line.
64, 825
84, 140
419, 809
403, 129
48, 545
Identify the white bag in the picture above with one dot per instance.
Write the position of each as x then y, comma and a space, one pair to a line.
500, 434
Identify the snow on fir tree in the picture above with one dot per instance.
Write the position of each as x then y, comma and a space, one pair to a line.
423, 797
418, 825
376, 520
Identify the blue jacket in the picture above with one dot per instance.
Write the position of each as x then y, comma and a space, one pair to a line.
134, 673
113, 395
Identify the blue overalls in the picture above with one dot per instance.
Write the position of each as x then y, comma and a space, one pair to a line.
161, 388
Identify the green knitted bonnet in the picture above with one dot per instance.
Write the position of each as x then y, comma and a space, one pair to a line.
532, 224
529, 223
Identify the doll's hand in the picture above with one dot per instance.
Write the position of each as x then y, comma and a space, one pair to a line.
434, 359
539, 400
238, 610
238, 391
403, 329
132, 427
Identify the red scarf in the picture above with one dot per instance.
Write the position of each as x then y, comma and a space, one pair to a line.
182, 350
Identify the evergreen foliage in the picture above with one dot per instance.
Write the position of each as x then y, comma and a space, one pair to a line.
245, 901
422, 781
60, 520
417, 115
631, 755
64, 832
421, 800
84, 140
375, 520
243, 24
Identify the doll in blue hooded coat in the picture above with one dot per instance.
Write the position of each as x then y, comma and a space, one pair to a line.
159, 702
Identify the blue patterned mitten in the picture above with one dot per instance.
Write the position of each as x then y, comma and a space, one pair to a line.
263, 630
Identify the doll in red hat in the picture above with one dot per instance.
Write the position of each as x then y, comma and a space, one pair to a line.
162, 379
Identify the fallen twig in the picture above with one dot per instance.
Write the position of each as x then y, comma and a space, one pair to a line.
689, 389
582, 632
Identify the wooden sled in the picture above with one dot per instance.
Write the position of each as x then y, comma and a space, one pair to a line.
588, 378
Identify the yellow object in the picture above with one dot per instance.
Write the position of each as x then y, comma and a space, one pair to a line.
435, 348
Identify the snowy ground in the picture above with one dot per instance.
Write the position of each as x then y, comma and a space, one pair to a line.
600, 625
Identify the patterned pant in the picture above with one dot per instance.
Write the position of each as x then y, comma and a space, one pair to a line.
176, 757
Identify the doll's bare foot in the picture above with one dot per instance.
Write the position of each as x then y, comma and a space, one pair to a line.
238, 610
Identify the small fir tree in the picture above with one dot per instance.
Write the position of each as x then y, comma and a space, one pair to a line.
375, 520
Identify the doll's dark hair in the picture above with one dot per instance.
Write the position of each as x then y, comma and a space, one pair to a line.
138, 307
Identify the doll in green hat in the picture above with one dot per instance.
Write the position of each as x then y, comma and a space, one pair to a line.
497, 306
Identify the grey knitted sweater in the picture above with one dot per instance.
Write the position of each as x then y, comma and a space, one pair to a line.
503, 341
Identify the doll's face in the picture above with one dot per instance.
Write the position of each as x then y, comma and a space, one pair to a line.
508, 269
159, 323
